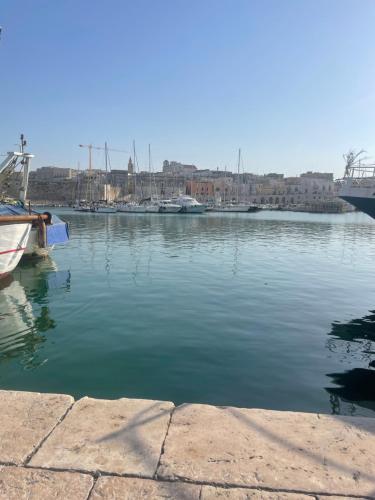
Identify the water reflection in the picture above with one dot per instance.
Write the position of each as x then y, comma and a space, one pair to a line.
25, 315
353, 342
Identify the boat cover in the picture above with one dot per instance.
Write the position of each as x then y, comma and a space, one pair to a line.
57, 231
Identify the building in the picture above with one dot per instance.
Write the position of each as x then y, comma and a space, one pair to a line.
53, 173
174, 167
201, 190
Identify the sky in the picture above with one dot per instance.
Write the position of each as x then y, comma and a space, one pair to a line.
290, 82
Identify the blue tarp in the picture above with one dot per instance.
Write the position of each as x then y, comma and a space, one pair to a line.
12, 209
57, 231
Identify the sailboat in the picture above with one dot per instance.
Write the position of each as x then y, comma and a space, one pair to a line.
132, 206
152, 205
235, 205
103, 207
85, 205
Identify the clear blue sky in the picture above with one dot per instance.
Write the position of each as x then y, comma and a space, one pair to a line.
290, 81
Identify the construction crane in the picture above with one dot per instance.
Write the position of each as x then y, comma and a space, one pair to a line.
90, 147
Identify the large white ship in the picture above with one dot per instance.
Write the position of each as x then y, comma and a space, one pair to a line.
358, 184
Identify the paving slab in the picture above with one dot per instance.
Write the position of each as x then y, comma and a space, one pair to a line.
212, 493
26, 418
123, 436
19, 483
304, 452
332, 497
133, 489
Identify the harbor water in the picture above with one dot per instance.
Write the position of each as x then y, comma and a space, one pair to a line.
269, 310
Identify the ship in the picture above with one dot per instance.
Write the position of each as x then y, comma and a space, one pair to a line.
357, 187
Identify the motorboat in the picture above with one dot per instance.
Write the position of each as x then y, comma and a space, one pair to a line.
131, 207
189, 204
235, 207
82, 207
231, 207
152, 207
168, 207
99, 208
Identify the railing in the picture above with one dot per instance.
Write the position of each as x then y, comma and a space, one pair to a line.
360, 171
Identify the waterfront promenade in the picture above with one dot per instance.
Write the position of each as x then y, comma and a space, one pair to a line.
54, 447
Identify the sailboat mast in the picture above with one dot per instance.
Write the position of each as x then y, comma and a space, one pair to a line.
134, 168
225, 182
238, 174
106, 171
90, 174
149, 168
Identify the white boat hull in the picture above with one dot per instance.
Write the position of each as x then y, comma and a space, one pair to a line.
13, 242
189, 205
82, 209
169, 209
152, 209
132, 209
193, 209
232, 208
104, 210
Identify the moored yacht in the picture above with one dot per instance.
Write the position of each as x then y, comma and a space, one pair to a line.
103, 208
168, 207
188, 204
152, 207
232, 207
82, 206
132, 208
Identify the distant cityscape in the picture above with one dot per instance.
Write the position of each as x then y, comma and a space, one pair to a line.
50, 184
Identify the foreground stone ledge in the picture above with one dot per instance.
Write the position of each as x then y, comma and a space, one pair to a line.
213, 493
18, 483
115, 488
123, 436
278, 450
26, 418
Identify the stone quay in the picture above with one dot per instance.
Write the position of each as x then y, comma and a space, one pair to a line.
52, 446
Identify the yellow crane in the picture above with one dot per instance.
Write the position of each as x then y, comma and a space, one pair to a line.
90, 147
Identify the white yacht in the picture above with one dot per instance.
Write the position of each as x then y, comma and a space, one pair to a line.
232, 207
189, 204
82, 207
168, 207
131, 207
152, 207
104, 208
358, 184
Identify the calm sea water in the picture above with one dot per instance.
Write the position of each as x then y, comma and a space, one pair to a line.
270, 310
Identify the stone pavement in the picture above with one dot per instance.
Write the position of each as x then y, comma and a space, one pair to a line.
54, 447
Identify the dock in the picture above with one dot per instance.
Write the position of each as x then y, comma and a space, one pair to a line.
52, 446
